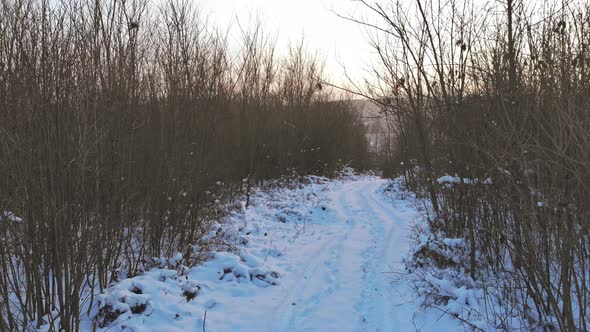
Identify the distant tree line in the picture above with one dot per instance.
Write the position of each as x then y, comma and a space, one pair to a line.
124, 126
498, 92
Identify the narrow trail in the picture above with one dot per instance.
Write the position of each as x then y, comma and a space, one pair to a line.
336, 248
344, 280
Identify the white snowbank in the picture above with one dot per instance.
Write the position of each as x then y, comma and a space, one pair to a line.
175, 298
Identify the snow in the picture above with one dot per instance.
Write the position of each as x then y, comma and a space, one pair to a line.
448, 179
10, 216
324, 255
438, 266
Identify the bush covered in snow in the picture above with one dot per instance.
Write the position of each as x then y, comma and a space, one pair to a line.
442, 272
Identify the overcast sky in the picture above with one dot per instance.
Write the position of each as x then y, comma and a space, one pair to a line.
339, 42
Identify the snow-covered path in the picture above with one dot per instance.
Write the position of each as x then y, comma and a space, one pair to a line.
340, 272
344, 284
338, 247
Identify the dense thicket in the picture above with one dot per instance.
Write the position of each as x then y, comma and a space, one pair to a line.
122, 127
499, 93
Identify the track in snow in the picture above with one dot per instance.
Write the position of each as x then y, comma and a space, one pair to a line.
343, 277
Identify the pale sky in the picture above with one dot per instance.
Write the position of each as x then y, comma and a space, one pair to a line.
339, 42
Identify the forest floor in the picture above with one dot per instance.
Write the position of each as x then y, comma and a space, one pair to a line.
324, 255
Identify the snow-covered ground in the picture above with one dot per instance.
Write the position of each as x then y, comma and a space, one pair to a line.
324, 256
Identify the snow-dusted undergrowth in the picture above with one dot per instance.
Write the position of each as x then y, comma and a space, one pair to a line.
437, 267
173, 297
